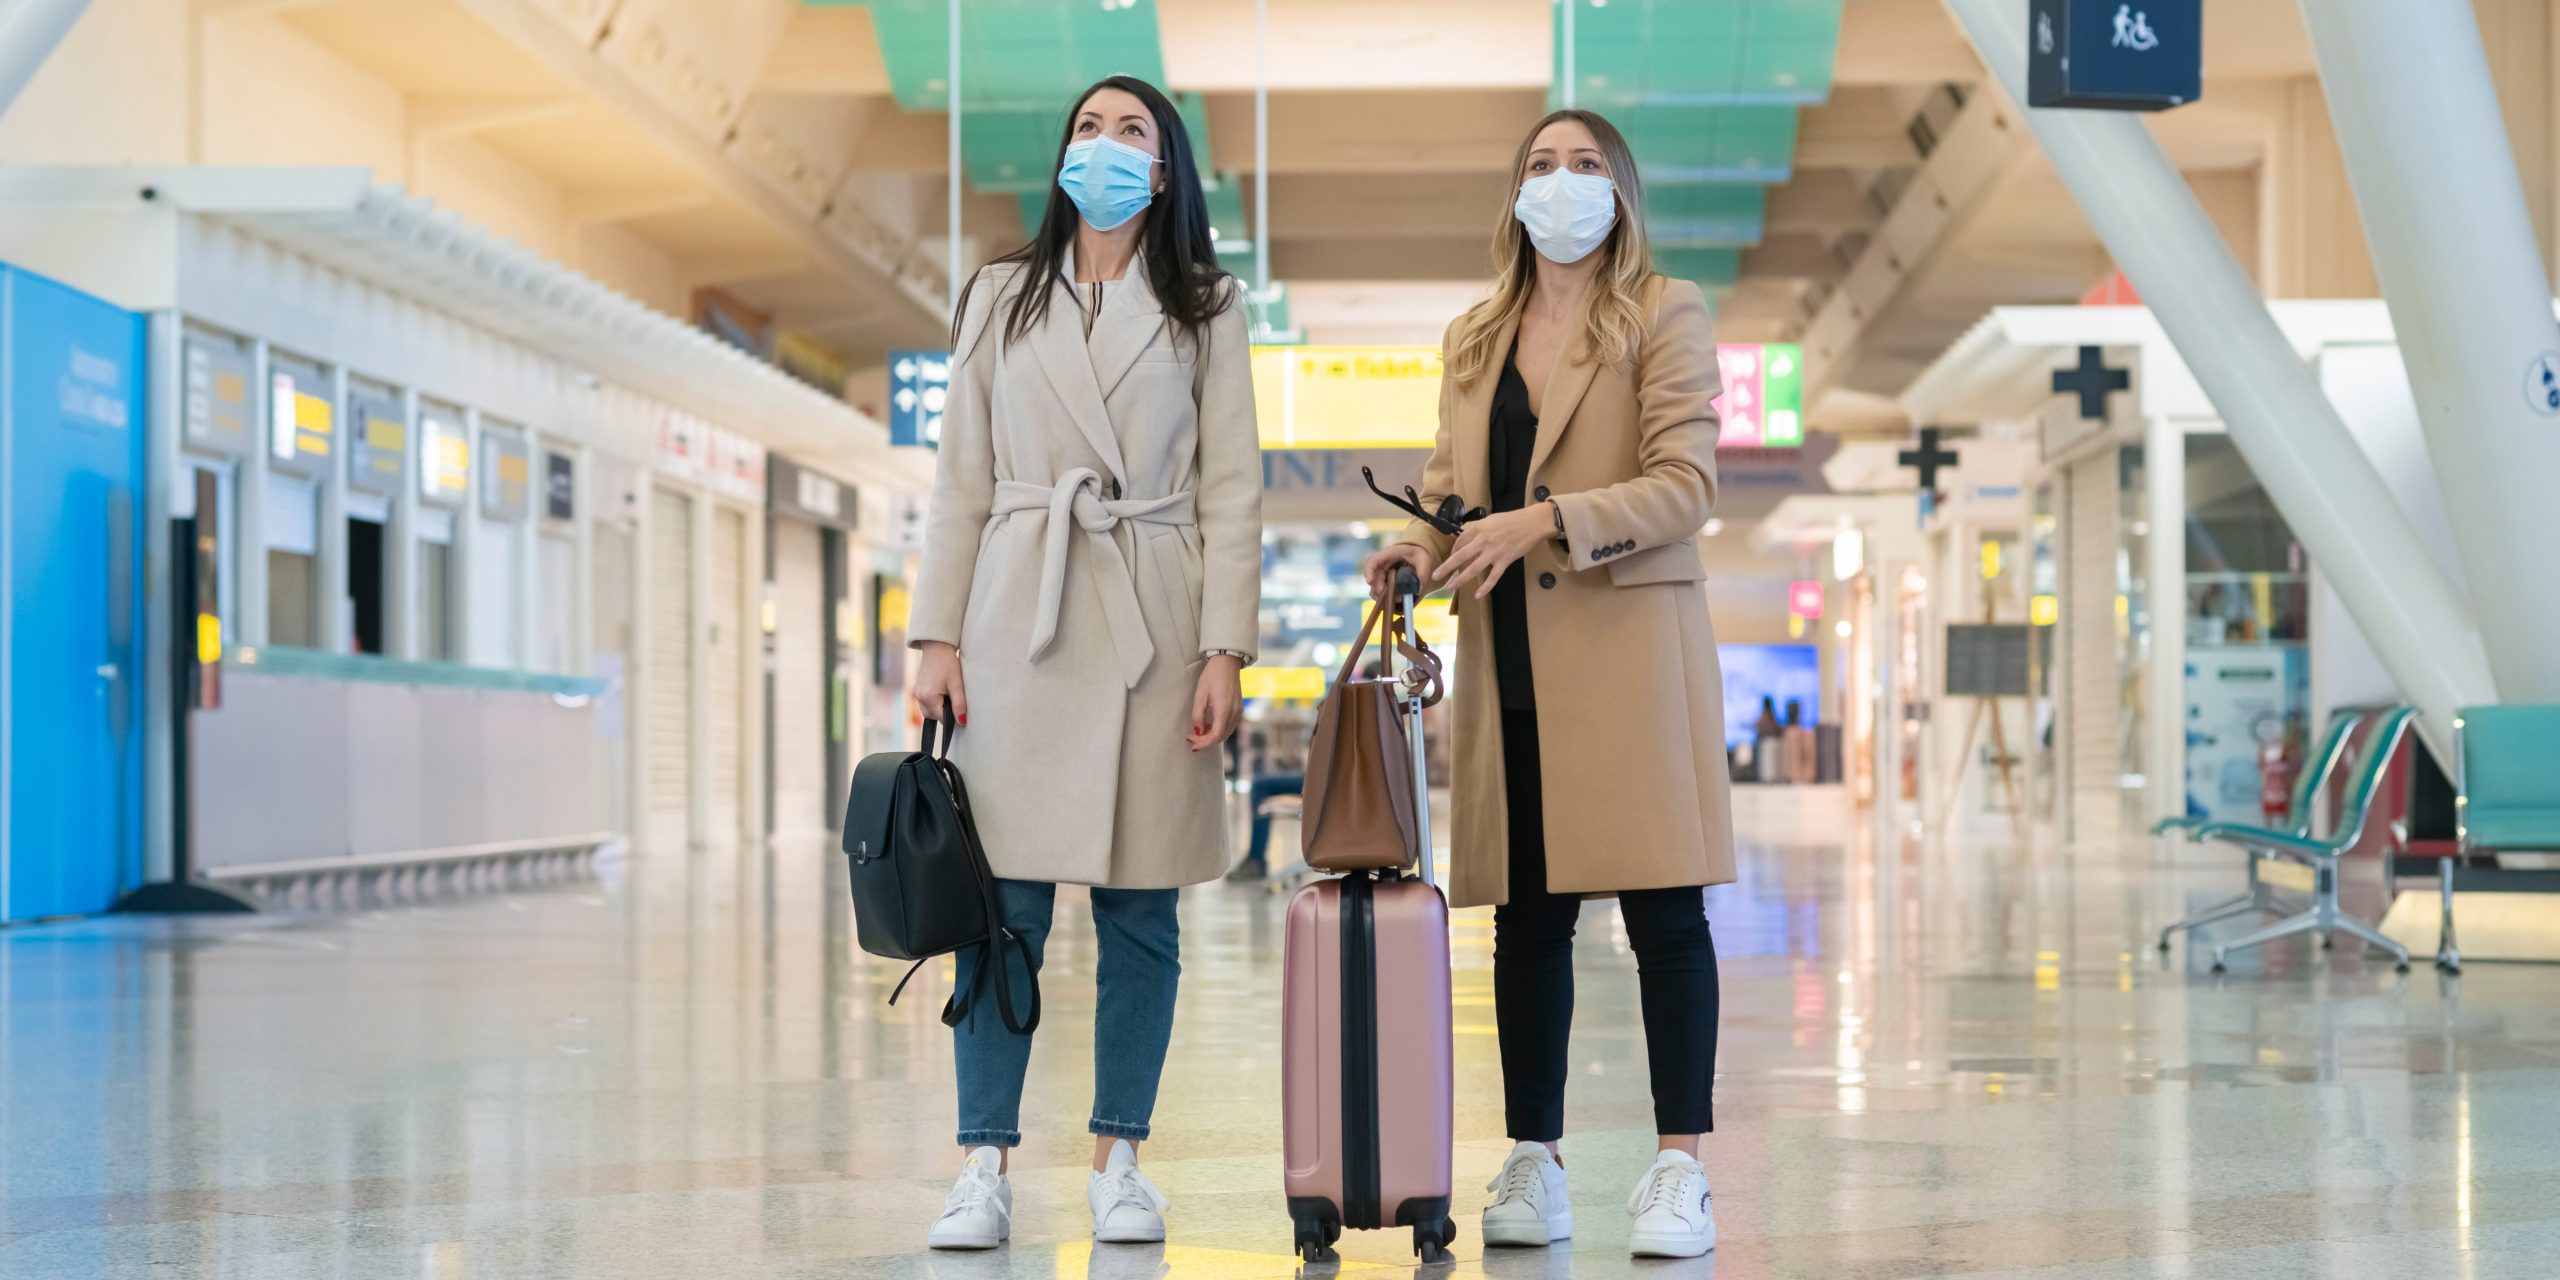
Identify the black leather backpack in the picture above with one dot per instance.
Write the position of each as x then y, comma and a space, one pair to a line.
921, 885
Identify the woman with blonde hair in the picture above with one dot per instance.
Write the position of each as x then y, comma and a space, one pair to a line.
1577, 409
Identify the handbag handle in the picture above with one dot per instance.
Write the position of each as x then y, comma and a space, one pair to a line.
1417, 654
949, 732
957, 1007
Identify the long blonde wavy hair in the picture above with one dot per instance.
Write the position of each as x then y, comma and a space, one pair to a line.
1613, 315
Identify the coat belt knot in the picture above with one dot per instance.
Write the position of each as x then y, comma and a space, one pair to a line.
1076, 502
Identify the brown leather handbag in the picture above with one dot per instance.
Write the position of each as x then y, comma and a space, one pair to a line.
1358, 810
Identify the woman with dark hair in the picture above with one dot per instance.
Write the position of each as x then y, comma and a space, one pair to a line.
1093, 559
1579, 408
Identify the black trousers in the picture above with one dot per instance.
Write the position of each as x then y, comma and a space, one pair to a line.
1533, 974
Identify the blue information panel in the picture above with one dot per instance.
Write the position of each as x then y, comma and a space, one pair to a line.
2123, 55
919, 385
71, 539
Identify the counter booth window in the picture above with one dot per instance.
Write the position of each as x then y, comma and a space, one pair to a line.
377, 471
444, 483
301, 447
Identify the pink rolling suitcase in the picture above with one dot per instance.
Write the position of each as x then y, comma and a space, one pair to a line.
1365, 1035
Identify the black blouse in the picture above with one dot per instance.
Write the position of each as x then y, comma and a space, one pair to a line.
1514, 438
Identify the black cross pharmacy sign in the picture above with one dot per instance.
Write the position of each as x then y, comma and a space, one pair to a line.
1928, 459
2091, 380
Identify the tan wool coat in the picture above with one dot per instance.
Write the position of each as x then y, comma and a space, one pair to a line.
1630, 695
1096, 525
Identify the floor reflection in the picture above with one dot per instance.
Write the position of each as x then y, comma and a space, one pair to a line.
1949, 1057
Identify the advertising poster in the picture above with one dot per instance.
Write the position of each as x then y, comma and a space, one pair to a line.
2240, 699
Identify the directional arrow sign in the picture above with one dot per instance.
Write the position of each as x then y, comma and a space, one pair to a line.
918, 383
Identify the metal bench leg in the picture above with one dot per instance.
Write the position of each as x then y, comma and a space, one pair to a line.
2373, 938
2448, 956
2300, 922
2248, 903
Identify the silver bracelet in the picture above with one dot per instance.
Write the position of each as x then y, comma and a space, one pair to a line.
1242, 658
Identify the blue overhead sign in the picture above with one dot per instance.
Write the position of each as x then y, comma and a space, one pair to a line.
2120, 55
919, 384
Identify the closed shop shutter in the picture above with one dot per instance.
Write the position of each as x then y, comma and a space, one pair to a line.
555, 603
2089, 628
799, 761
730, 623
614, 644
670, 669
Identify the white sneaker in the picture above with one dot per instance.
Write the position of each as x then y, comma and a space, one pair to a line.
1529, 1209
1127, 1208
979, 1212
1675, 1213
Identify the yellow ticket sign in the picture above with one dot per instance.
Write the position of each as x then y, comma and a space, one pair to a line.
1304, 684
1331, 397
1435, 623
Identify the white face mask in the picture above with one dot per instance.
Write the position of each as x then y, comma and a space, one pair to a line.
1567, 215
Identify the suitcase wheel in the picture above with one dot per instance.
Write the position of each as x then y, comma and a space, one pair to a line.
1316, 1233
1431, 1240
1313, 1244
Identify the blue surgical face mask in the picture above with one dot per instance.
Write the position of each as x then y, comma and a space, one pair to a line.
1567, 215
1109, 181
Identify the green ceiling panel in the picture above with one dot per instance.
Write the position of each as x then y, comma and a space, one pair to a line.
1011, 150
1713, 269
1704, 215
1717, 144
1699, 52
1015, 54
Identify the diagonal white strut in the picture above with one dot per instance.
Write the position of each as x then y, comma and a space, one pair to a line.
2278, 417
2426, 152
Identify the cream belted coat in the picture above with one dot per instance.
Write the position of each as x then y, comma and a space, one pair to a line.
1096, 526
1621, 652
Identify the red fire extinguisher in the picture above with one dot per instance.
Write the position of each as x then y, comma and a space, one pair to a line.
2276, 769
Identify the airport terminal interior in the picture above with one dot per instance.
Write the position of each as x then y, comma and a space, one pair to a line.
466, 475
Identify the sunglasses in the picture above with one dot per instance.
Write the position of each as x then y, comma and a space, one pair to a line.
1453, 514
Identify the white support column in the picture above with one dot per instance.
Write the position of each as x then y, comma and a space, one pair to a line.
2426, 152
2282, 424
30, 30
2164, 475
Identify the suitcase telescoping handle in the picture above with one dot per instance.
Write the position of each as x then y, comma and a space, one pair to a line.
1408, 593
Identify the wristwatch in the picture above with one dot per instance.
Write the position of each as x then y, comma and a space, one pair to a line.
1242, 658
1558, 508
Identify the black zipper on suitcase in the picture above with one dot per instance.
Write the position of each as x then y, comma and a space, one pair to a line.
1360, 1175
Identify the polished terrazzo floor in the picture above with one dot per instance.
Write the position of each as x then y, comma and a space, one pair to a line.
1940, 1059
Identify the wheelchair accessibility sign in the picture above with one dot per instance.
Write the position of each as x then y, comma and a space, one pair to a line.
2542, 384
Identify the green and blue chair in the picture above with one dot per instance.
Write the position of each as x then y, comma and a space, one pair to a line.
2316, 770
2506, 768
2321, 853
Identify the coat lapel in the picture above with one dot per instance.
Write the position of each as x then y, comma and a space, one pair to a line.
1566, 384
1060, 345
1131, 317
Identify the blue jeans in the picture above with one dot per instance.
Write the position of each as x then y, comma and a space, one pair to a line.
1265, 787
1137, 965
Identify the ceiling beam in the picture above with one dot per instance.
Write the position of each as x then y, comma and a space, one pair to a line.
437, 116
1822, 201
597, 206
845, 244
1857, 129
1796, 255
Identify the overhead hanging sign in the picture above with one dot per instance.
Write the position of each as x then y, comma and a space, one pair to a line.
2118, 55
217, 410
1762, 404
919, 388
1337, 397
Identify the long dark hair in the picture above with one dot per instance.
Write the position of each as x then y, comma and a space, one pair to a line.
1180, 260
